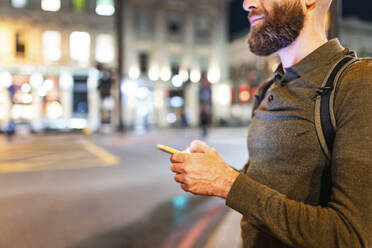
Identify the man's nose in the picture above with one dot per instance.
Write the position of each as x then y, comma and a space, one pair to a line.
249, 5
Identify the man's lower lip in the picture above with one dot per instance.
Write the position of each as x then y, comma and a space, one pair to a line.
256, 21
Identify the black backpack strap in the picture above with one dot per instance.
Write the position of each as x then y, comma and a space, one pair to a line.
325, 122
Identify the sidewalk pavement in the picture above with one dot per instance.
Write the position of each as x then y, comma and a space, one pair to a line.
227, 234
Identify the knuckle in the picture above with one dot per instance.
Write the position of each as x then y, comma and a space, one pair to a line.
185, 158
172, 159
189, 181
192, 189
185, 170
185, 187
177, 178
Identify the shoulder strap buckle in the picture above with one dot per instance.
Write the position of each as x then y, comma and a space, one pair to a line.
324, 90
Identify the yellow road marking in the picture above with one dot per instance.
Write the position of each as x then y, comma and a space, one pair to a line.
20, 166
101, 153
76, 158
14, 166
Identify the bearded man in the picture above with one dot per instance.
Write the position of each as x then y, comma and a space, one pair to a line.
284, 193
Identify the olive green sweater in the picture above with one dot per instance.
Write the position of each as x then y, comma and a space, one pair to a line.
279, 193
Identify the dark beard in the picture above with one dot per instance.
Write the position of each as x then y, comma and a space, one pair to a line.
279, 30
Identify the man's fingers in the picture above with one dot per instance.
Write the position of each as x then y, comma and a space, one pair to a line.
184, 187
177, 168
196, 150
198, 146
199, 142
179, 157
179, 178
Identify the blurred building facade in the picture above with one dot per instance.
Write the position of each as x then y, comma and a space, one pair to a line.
48, 55
176, 62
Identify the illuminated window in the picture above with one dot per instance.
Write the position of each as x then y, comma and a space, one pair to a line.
50, 5
174, 26
203, 27
105, 7
19, 3
105, 48
79, 5
80, 46
144, 24
52, 45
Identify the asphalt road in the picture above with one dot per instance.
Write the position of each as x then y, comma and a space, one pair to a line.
104, 190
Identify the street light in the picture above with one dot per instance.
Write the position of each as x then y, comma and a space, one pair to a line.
119, 31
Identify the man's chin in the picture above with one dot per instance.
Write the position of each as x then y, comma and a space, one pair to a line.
262, 53
257, 25
259, 49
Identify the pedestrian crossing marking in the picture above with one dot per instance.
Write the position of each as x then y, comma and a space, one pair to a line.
105, 156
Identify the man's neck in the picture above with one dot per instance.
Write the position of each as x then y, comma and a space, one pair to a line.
306, 43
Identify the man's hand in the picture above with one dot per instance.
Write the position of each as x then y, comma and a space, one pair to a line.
203, 171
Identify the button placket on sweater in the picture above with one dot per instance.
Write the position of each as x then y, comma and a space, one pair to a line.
270, 98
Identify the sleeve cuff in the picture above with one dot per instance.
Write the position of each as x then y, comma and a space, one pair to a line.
247, 196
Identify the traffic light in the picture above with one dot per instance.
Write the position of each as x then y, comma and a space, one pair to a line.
244, 93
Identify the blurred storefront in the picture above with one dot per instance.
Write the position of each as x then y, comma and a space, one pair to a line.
48, 58
45, 101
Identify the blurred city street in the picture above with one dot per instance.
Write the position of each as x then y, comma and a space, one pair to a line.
75, 73
72, 190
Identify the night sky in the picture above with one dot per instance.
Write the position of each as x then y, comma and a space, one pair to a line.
239, 21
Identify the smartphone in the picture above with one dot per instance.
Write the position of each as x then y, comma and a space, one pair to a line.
167, 149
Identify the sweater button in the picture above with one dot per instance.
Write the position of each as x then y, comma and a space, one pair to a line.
271, 98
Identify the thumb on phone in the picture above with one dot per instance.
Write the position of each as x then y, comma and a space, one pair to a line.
198, 146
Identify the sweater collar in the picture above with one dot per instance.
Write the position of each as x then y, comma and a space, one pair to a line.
319, 57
